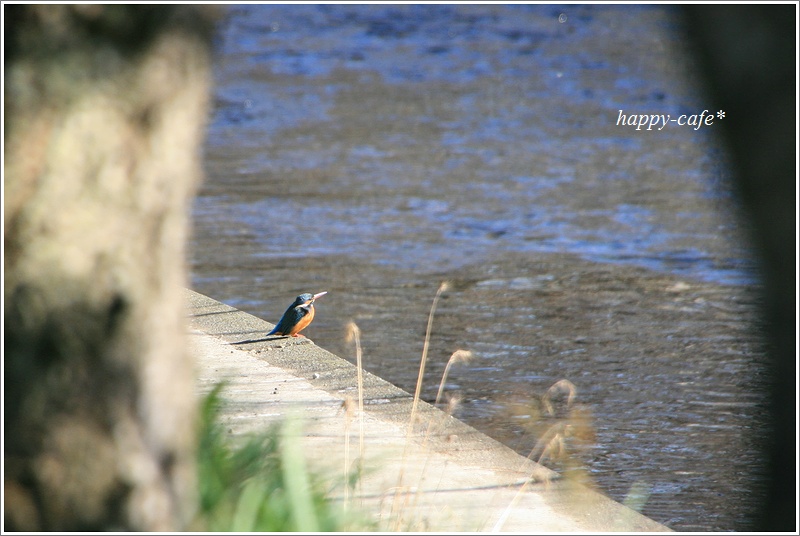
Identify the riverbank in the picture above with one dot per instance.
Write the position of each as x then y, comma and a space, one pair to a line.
446, 477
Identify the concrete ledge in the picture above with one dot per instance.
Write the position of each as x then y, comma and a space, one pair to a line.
447, 477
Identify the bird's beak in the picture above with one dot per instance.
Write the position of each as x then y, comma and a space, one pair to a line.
321, 294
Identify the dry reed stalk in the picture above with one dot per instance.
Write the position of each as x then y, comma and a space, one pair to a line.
457, 357
347, 405
415, 402
354, 333
444, 286
555, 439
551, 441
452, 404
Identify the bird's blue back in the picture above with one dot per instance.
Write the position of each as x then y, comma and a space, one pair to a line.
292, 315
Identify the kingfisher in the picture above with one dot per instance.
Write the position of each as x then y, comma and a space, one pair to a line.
298, 316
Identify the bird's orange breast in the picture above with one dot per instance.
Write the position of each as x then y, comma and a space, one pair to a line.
302, 323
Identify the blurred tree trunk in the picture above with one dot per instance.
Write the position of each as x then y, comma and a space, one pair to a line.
749, 55
104, 115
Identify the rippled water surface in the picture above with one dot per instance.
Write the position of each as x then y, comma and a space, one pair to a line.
375, 151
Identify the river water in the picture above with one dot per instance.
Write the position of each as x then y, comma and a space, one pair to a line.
376, 151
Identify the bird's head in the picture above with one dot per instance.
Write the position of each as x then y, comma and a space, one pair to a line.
306, 299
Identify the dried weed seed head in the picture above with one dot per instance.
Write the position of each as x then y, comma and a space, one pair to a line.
560, 386
349, 407
352, 332
460, 356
